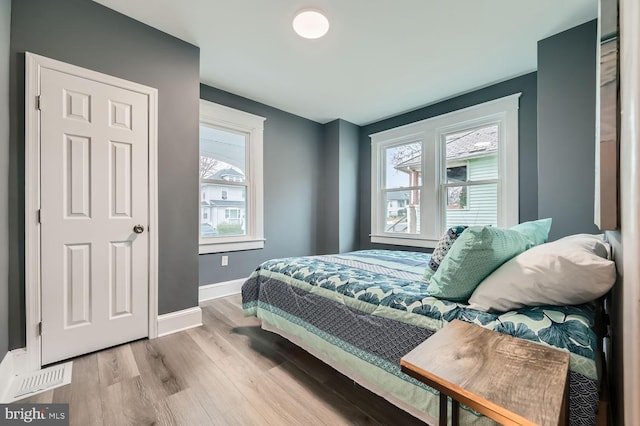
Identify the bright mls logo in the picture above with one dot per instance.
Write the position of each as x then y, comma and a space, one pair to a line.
35, 414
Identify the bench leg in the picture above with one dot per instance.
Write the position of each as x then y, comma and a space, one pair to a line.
455, 413
442, 421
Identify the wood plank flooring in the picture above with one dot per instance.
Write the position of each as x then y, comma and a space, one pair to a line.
227, 372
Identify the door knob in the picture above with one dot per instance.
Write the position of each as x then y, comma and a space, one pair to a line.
138, 229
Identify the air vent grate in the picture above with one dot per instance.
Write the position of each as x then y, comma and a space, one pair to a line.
42, 380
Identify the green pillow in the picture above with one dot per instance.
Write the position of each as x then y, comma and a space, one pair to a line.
537, 230
475, 254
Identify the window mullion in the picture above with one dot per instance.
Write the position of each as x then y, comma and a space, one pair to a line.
223, 182
471, 183
430, 214
404, 188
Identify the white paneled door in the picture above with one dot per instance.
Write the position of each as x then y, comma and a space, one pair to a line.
94, 145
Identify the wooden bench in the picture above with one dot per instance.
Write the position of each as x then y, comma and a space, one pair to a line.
511, 380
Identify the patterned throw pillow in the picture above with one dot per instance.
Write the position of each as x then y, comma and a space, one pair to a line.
442, 248
479, 251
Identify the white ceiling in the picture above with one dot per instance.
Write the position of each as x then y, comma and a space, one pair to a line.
380, 57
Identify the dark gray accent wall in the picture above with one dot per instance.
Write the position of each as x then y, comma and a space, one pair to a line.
329, 192
338, 228
5, 32
349, 164
527, 133
566, 129
89, 35
292, 179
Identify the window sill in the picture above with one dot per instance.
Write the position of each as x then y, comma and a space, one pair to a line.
398, 240
207, 247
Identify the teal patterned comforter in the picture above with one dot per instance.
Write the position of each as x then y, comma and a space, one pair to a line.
388, 285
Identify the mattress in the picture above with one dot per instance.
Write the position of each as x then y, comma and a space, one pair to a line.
362, 311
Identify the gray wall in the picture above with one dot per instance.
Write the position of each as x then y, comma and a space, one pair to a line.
566, 129
89, 35
5, 25
329, 191
349, 164
292, 179
337, 225
527, 146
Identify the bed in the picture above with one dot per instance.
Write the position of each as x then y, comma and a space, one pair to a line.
360, 312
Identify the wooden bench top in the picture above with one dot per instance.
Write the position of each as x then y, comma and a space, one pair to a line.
510, 380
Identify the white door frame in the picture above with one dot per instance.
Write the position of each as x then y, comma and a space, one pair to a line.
33, 67
630, 197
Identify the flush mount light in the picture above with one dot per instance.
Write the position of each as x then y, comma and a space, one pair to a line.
310, 24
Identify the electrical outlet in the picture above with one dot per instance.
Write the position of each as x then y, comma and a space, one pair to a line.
225, 260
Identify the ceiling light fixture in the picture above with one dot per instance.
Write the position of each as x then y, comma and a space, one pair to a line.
310, 24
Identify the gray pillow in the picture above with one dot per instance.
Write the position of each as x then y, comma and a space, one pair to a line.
569, 271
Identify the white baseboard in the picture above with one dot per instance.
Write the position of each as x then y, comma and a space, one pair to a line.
179, 320
6, 376
223, 289
12, 365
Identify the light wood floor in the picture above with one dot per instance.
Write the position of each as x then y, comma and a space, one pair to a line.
227, 372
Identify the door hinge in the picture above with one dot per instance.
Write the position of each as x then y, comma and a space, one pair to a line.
39, 216
40, 328
38, 102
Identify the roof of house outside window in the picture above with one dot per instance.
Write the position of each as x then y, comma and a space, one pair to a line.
227, 173
461, 146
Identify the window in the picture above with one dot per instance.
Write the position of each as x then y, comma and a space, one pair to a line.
459, 168
232, 214
457, 195
471, 190
231, 178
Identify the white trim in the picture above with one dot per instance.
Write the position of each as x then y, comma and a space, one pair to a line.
408, 240
465, 114
7, 375
32, 204
13, 365
630, 199
253, 126
179, 321
218, 290
33, 67
226, 246
153, 227
430, 132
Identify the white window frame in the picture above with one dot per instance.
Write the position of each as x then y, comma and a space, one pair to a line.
430, 132
252, 126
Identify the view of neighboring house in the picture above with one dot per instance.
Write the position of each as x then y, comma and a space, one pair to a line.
471, 157
222, 207
397, 203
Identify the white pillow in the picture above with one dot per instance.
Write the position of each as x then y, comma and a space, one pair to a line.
569, 271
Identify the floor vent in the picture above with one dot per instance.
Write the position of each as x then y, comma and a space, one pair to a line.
42, 380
